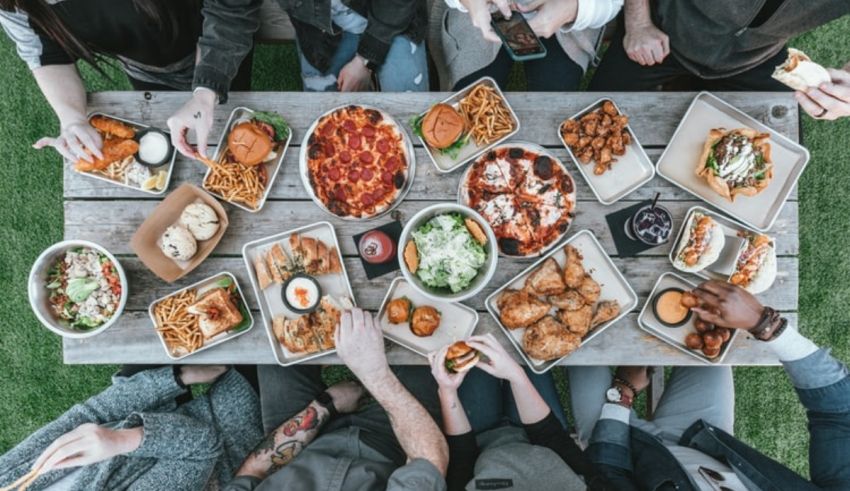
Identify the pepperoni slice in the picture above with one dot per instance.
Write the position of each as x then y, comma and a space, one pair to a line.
339, 193
367, 199
328, 129
383, 146
344, 157
366, 157
334, 174
387, 177
392, 163
330, 150
368, 131
354, 142
354, 175
367, 174
349, 125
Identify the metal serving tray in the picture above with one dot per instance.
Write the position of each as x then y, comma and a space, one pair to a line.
445, 164
678, 163
631, 171
675, 336
203, 286
303, 170
270, 301
138, 127
614, 287
457, 321
272, 168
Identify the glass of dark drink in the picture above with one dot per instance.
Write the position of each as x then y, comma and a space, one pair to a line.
651, 224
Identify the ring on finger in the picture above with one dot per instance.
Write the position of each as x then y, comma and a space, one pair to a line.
822, 113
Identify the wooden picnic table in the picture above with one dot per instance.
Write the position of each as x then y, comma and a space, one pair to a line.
109, 215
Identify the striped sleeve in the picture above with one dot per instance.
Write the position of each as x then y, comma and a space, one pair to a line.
34, 48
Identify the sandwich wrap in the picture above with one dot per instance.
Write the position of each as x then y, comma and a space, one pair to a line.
800, 73
713, 239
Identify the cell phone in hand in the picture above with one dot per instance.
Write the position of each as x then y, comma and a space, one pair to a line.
518, 37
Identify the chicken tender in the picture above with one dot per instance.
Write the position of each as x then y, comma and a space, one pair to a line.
605, 311
569, 300
520, 309
546, 279
577, 321
589, 289
573, 269
114, 150
548, 339
112, 127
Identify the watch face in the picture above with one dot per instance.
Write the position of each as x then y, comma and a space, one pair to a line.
613, 395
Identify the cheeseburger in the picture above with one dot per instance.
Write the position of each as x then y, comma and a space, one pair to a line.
461, 357
442, 126
252, 142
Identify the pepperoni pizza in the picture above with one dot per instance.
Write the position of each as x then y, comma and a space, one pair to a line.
527, 196
356, 162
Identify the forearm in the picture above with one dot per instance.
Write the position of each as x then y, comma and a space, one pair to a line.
387, 19
282, 445
530, 405
455, 421
228, 35
414, 428
63, 88
637, 13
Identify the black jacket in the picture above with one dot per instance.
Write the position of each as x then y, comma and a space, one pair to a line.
318, 37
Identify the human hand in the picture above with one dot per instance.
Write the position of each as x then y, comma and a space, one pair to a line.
88, 444
77, 140
551, 15
197, 115
829, 101
646, 44
200, 374
479, 14
637, 376
346, 396
499, 363
360, 345
354, 76
446, 380
727, 305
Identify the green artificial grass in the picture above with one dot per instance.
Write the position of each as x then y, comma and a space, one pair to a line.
37, 386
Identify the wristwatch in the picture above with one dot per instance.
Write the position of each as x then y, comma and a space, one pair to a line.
369, 64
616, 395
326, 401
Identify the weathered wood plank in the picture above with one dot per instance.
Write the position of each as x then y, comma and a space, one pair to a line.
428, 184
145, 287
113, 223
133, 340
653, 116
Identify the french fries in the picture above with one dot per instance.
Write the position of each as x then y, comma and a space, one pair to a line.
179, 328
487, 117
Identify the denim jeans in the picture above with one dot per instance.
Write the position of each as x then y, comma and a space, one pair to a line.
489, 401
405, 68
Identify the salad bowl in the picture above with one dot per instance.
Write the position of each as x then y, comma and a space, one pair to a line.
43, 273
418, 230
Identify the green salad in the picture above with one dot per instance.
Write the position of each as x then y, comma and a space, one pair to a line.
449, 257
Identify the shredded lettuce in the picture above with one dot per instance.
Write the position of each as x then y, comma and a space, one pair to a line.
452, 150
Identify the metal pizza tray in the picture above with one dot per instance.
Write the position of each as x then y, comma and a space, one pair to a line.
631, 171
612, 282
675, 336
270, 300
303, 170
470, 151
138, 127
678, 163
457, 320
272, 167
462, 197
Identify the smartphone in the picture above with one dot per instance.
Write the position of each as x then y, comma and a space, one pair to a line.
518, 37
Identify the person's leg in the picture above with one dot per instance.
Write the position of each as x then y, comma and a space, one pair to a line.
757, 78
499, 71
249, 372
545, 385
694, 393
616, 72
481, 396
285, 391
405, 68
587, 396
130, 370
556, 72
316, 81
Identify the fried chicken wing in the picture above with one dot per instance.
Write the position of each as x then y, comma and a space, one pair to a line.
573, 269
521, 309
548, 339
609, 108
546, 279
605, 311
589, 289
569, 300
112, 127
577, 321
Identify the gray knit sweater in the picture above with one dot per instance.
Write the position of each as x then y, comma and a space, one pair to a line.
186, 447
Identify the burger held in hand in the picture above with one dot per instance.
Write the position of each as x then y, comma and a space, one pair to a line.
461, 357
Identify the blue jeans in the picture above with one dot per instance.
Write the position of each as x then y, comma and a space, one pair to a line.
489, 401
405, 68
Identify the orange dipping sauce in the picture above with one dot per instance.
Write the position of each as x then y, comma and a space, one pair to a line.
669, 308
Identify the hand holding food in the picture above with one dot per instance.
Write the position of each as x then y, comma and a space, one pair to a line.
360, 345
88, 444
646, 44
449, 369
196, 115
346, 396
829, 100
77, 140
728, 305
497, 362
736, 162
599, 136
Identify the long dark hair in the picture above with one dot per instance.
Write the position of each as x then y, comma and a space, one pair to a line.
44, 18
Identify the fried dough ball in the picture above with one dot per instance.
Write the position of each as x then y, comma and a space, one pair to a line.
702, 326
398, 310
726, 334
713, 339
710, 352
424, 321
694, 341
689, 300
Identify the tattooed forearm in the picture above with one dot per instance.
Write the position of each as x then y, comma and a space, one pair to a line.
282, 445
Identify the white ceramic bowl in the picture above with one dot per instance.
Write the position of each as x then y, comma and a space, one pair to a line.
39, 295
485, 274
